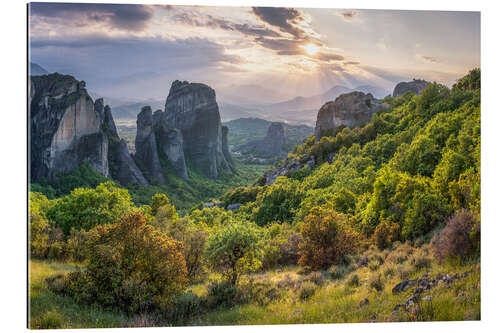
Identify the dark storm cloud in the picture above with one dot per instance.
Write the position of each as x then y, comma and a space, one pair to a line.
125, 16
218, 23
281, 18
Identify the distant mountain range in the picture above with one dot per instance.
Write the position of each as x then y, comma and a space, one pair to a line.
36, 69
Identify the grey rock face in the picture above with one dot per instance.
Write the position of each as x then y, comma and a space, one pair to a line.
65, 129
146, 153
269, 146
348, 110
126, 171
192, 108
415, 86
170, 142
225, 149
286, 168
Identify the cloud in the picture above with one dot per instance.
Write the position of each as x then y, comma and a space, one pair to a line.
110, 62
286, 19
348, 14
197, 20
427, 59
124, 17
347, 63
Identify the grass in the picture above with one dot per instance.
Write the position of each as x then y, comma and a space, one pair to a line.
318, 297
48, 310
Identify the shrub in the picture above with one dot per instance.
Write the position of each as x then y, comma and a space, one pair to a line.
316, 278
388, 271
233, 249
131, 266
307, 290
373, 265
183, 308
353, 280
221, 294
375, 282
289, 250
76, 245
326, 239
421, 261
338, 272
49, 320
385, 234
406, 270
460, 238
85, 208
261, 293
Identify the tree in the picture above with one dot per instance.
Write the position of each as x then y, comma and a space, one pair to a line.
326, 239
233, 249
85, 208
131, 266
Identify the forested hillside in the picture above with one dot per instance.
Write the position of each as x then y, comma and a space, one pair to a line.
385, 226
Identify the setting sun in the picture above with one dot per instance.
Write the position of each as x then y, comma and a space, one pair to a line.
311, 49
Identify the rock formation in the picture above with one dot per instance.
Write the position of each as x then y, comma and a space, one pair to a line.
270, 145
68, 129
146, 153
192, 109
65, 130
170, 143
348, 110
415, 86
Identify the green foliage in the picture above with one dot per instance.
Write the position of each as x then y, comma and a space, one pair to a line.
277, 202
83, 176
130, 266
241, 195
326, 239
233, 249
470, 82
85, 208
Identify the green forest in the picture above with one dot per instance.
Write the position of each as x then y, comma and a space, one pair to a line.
385, 227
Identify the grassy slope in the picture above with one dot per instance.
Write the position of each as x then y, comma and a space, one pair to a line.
333, 302
48, 310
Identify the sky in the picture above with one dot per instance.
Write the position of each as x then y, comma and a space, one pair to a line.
135, 52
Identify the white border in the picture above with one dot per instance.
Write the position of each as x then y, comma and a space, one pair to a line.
13, 162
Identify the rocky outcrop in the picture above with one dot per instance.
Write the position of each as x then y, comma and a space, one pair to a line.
415, 86
192, 109
225, 147
349, 110
146, 153
65, 129
286, 168
271, 145
171, 144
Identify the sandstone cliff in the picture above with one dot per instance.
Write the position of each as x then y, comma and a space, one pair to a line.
347, 110
415, 86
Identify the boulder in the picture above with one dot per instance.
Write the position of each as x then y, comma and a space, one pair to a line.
349, 110
415, 86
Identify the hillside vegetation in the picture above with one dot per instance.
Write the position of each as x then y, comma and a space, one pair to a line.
385, 227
